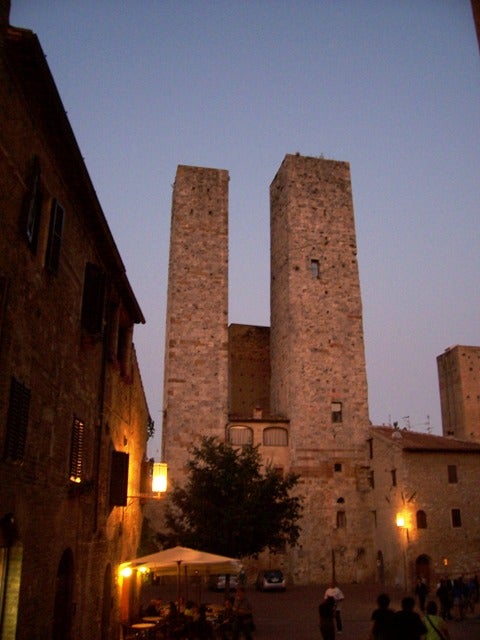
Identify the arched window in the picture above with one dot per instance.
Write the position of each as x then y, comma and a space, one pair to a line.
275, 437
421, 520
240, 435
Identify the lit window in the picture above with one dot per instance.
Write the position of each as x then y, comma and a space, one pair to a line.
421, 520
77, 450
452, 474
337, 412
456, 518
275, 437
240, 436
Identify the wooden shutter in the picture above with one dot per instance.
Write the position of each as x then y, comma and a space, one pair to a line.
93, 298
17, 420
118, 479
57, 215
77, 450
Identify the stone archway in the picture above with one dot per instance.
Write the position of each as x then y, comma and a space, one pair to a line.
63, 610
423, 566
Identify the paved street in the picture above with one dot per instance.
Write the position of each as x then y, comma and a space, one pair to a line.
293, 615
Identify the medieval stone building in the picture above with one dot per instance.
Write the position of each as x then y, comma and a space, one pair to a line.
73, 414
298, 388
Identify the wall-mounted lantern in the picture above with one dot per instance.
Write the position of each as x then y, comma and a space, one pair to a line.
159, 477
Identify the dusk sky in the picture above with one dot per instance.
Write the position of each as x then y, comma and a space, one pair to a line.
392, 87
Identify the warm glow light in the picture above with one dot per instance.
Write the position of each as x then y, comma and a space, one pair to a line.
143, 569
159, 477
400, 520
126, 572
445, 562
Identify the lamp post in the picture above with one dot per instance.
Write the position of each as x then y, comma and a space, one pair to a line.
401, 524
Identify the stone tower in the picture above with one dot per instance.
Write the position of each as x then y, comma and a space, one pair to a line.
196, 350
318, 374
459, 382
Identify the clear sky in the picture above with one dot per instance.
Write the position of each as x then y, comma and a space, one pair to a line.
391, 87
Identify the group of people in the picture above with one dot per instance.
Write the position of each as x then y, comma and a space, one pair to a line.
188, 621
387, 624
457, 597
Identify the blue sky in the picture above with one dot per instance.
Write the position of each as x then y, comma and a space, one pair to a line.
391, 87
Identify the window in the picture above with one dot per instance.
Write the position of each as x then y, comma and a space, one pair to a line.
337, 412
456, 518
371, 479
337, 467
3, 300
421, 520
341, 520
452, 473
93, 298
118, 479
240, 435
77, 451
275, 437
17, 420
32, 206
315, 268
394, 477
52, 258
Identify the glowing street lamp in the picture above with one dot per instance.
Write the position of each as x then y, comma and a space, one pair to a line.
159, 477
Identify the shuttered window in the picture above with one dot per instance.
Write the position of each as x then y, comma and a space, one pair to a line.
32, 206
77, 451
421, 520
17, 420
57, 215
93, 298
118, 479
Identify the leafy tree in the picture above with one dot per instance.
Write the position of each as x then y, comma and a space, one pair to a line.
230, 506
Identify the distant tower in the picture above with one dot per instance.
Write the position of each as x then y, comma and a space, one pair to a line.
196, 349
318, 373
459, 382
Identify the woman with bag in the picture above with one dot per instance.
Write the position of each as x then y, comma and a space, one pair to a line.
436, 626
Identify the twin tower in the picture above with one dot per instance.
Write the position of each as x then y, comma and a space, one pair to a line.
297, 388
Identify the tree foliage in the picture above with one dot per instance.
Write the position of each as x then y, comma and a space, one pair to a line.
230, 505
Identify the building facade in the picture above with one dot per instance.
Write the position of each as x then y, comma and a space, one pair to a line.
426, 517
73, 414
298, 388
459, 382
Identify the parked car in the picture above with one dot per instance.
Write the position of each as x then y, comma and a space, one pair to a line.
271, 580
218, 582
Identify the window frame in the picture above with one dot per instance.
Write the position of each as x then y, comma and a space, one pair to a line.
55, 236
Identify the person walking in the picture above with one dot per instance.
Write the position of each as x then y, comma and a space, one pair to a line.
436, 626
408, 624
326, 611
335, 592
383, 620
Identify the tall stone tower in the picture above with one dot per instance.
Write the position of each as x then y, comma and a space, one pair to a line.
196, 350
318, 373
459, 382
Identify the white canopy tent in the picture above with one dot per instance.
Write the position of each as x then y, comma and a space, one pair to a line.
170, 561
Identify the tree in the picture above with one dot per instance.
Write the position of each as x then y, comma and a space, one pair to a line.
230, 506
